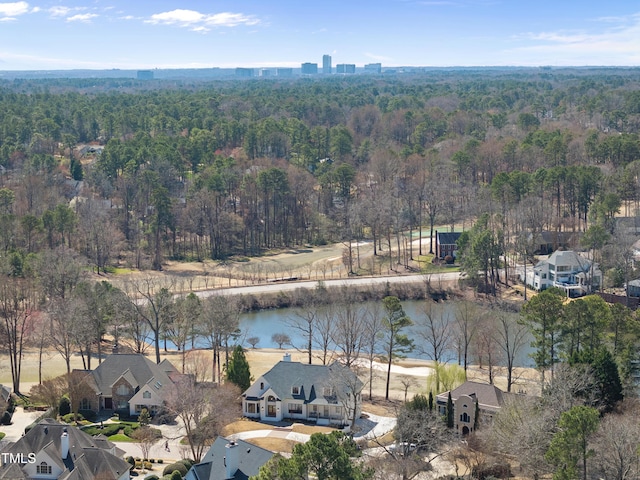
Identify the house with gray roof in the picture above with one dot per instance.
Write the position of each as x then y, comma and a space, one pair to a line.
324, 394
567, 270
489, 399
128, 383
59, 451
5, 396
230, 459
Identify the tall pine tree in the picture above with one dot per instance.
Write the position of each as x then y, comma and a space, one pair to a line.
238, 369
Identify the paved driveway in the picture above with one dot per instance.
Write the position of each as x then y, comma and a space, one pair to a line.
19, 421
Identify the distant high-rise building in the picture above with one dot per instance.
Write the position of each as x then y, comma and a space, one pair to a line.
144, 74
244, 72
309, 69
346, 68
284, 72
373, 68
265, 72
326, 64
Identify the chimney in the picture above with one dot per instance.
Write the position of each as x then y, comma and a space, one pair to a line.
64, 444
287, 357
231, 459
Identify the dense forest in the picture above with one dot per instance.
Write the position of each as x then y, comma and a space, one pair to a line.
197, 170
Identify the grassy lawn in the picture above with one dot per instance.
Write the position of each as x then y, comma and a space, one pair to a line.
311, 429
120, 437
426, 265
274, 444
245, 426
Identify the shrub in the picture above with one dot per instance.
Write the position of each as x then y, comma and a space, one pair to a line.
147, 465
65, 406
152, 460
128, 431
131, 461
176, 475
151, 477
180, 467
448, 259
6, 418
186, 462
68, 418
160, 460
88, 415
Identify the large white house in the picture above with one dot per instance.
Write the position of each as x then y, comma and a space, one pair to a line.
568, 270
325, 394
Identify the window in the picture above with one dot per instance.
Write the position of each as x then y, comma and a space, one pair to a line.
327, 391
123, 390
251, 408
544, 276
43, 468
261, 386
295, 390
271, 398
295, 408
146, 394
563, 268
85, 404
465, 417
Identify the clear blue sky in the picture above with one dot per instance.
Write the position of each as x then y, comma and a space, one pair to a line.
135, 34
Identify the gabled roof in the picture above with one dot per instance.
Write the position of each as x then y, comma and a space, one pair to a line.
5, 393
448, 238
567, 257
310, 378
137, 370
85, 453
488, 395
212, 466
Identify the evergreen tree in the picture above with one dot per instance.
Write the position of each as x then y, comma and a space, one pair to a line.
238, 369
607, 376
449, 411
430, 401
476, 420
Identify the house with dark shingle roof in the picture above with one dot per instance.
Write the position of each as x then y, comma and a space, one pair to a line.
59, 451
129, 382
5, 396
325, 394
446, 243
230, 459
488, 397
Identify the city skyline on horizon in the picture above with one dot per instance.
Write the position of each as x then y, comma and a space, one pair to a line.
168, 34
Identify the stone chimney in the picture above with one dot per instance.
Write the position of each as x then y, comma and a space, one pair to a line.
64, 444
231, 459
287, 357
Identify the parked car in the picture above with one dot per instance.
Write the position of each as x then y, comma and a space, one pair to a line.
403, 448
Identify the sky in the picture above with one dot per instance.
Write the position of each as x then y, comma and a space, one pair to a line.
148, 34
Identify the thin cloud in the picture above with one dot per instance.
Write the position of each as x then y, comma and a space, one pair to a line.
59, 11
12, 10
378, 58
201, 22
616, 42
82, 17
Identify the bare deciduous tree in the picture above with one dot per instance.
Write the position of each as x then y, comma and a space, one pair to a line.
204, 410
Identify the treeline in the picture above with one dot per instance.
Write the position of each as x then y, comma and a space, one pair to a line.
213, 170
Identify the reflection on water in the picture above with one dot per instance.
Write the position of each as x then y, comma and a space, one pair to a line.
264, 323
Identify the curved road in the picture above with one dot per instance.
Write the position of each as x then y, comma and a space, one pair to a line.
434, 278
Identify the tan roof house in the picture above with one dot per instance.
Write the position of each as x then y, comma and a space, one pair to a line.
489, 400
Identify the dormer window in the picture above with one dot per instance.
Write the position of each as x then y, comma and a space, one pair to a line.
295, 390
327, 391
261, 385
43, 469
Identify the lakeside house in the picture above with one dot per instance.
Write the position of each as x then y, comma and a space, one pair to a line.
128, 383
567, 270
468, 399
324, 394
